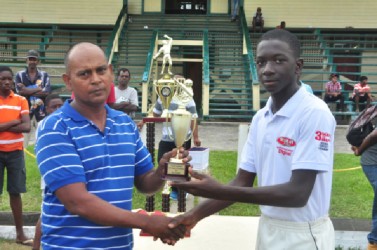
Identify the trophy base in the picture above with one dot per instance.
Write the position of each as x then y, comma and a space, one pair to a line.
176, 171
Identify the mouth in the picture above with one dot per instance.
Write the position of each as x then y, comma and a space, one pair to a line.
269, 82
98, 92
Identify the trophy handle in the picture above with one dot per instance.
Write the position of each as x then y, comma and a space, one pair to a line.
192, 131
170, 134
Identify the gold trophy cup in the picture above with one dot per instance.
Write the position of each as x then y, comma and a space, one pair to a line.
167, 89
176, 169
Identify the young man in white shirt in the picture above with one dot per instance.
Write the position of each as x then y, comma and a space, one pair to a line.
289, 148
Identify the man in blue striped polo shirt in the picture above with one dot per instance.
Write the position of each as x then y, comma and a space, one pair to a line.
90, 157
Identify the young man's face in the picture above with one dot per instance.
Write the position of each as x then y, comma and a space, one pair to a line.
277, 67
364, 82
6, 81
53, 105
334, 79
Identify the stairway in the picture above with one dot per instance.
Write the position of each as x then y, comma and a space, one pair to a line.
230, 86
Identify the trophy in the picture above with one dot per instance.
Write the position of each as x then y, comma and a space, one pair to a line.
180, 90
165, 89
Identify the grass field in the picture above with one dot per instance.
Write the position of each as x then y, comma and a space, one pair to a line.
351, 195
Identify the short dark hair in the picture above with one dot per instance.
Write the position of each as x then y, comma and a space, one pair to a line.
6, 68
362, 78
124, 70
51, 97
285, 36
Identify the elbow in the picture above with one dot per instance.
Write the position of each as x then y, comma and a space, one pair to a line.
27, 128
300, 200
76, 209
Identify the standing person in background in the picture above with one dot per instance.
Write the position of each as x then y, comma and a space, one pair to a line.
236, 6
281, 26
368, 161
294, 186
334, 91
14, 120
96, 159
126, 98
34, 85
258, 20
52, 103
361, 93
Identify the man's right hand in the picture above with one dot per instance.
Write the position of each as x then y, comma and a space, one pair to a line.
158, 226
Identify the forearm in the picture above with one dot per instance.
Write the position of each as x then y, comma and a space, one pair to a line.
130, 108
41, 94
101, 212
150, 182
6, 126
282, 195
370, 140
29, 91
20, 128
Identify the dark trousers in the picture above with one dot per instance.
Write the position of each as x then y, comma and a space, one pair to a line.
331, 98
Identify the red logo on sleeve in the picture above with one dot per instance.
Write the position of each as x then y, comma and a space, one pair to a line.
322, 136
285, 141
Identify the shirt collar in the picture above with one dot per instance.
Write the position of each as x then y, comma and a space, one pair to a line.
290, 106
73, 114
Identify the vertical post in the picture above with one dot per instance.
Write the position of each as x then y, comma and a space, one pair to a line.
149, 203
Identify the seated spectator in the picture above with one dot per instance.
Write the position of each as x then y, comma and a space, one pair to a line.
281, 26
361, 93
334, 91
258, 20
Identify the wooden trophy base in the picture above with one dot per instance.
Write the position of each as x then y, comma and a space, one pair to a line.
176, 171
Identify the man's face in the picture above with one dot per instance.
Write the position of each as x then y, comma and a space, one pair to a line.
53, 105
6, 81
334, 79
32, 62
278, 69
124, 78
88, 75
364, 82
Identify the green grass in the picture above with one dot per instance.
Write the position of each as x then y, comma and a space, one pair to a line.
351, 195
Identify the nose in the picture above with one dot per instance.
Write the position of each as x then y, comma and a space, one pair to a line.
95, 78
268, 68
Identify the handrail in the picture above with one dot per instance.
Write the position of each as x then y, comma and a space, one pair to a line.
327, 58
148, 63
205, 57
247, 42
112, 45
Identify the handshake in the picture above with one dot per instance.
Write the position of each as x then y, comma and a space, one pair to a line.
172, 228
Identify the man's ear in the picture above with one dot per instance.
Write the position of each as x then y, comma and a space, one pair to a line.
299, 65
67, 81
111, 69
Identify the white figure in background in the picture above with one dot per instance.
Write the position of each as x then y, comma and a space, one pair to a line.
166, 47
